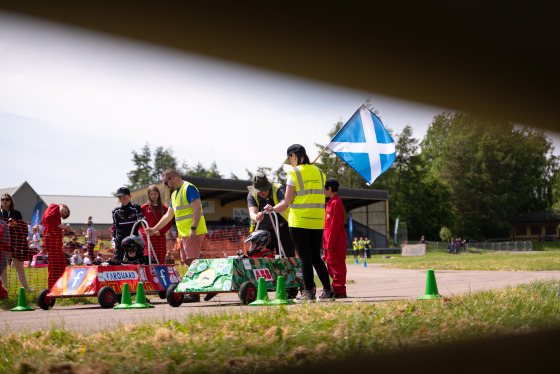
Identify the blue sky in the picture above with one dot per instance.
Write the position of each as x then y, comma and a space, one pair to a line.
74, 104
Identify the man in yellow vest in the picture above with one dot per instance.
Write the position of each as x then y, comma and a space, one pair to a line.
185, 205
263, 194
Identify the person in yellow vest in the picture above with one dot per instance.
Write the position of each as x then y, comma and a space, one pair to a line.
262, 194
367, 243
305, 195
187, 210
361, 246
356, 247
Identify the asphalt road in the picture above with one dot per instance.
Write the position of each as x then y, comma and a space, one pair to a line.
366, 284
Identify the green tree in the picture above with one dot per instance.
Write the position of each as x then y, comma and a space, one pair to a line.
415, 195
494, 171
142, 173
163, 160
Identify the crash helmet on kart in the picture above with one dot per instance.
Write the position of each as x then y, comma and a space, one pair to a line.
133, 244
259, 239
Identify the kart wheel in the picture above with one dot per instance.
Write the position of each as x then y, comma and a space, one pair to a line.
106, 297
292, 293
45, 302
247, 293
174, 299
162, 294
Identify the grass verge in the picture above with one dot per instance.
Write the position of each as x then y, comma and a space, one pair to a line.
282, 337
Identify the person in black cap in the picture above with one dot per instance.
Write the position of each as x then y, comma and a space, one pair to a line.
124, 217
305, 194
263, 196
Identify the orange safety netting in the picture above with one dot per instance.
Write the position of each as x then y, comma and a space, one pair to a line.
42, 256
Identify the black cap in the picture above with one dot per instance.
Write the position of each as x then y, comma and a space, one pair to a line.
123, 191
295, 148
333, 183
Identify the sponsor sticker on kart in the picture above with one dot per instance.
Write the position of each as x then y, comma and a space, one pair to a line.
263, 273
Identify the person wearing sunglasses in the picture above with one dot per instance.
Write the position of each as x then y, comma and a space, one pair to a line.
186, 206
18, 241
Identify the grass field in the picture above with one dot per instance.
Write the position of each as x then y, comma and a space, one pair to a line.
546, 259
281, 338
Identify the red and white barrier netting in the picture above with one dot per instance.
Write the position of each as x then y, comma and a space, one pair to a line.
35, 261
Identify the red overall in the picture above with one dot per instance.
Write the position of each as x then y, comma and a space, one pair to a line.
52, 242
158, 242
334, 244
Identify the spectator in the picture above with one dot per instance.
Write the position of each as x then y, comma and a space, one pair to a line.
334, 239
124, 218
87, 260
52, 240
153, 210
356, 248
19, 246
36, 240
91, 237
367, 244
422, 239
4, 247
77, 258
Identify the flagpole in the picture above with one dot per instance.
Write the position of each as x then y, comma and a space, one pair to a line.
320, 154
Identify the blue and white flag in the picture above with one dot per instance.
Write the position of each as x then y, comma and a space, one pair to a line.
365, 144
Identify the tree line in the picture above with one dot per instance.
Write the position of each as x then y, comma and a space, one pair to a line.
468, 176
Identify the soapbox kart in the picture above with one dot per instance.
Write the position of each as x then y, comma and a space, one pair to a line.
239, 274
106, 281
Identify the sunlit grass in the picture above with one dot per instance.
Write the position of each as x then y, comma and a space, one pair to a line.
522, 261
278, 337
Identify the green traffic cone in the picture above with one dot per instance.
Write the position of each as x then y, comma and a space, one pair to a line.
431, 287
262, 294
281, 298
126, 300
22, 302
141, 299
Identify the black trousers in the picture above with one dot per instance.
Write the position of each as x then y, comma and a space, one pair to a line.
308, 246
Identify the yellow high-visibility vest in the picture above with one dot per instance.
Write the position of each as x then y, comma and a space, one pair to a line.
307, 211
184, 212
275, 187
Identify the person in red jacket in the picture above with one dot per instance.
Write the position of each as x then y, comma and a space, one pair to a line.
52, 239
4, 247
334, 239
153, 210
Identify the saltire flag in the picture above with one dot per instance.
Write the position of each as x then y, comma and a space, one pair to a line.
365, 144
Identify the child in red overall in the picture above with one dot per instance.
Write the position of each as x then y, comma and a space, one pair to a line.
334, 239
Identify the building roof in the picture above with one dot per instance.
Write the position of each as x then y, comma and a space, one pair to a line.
228, 190
81, 207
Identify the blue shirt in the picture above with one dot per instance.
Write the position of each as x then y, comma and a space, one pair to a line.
192, 194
